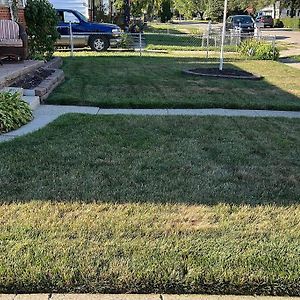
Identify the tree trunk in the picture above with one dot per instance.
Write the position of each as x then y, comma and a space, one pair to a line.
293, 12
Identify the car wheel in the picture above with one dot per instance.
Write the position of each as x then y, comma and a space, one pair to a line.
99, 43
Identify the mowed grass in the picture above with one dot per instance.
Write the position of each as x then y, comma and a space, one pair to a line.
147, 248
174, 28
155, 159
156, 81
152, 205
182, 42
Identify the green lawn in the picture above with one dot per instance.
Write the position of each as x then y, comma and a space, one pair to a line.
296, 58
183, 42
174, 28
152, 204
157, 159
156, 81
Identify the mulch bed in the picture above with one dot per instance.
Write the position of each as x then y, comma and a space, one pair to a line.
33, 79
225, 73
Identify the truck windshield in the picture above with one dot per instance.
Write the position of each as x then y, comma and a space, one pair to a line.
82, 17
242, 20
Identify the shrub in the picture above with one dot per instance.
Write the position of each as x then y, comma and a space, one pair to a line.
278, 24
259, 50
41, 20
14, 112
127, 41
291, 22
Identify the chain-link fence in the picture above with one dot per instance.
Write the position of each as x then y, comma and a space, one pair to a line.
146, 42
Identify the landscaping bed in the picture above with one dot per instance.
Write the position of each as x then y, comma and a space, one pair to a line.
33, 79
225, 73
156, 81
152, 205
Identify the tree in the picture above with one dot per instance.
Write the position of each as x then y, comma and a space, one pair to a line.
214, 9
41, 20
188, 8
165, 13
292, 4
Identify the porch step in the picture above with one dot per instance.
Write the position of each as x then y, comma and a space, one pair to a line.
33, 101
13, 90
10, 71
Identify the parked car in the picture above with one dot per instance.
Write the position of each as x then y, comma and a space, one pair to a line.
98, 36
265, 20
244, 23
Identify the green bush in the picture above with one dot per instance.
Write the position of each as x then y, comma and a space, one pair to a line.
259, 50
291, 22
278, 24
14, 112
127, 41
41, 20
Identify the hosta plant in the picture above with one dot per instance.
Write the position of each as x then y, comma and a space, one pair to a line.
14, 112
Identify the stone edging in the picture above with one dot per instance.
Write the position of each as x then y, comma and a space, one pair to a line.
44, 89
54, 63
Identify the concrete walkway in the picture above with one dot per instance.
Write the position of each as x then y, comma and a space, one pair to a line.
45, 114
134, 297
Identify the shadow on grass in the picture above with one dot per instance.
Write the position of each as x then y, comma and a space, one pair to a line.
187, 160
128, 81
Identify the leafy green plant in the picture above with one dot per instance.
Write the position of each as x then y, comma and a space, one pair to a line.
127, 41
14, 112
259, 50
291, 22
278, 24
41, 20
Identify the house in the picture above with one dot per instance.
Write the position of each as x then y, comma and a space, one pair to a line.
277, 11
86, 7
6, 10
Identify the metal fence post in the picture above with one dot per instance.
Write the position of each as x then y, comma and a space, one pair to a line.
273, 45
71, 39
208, 36
140, 42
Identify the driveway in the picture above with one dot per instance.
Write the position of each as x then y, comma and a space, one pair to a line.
284, 35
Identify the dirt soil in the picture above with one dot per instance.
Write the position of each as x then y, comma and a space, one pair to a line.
225, 71
33, 79
229, 73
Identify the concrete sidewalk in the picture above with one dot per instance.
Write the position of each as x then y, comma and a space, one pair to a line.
134, 297
45, 114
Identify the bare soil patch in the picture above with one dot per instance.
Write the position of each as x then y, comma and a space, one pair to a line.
33, 79
225, 73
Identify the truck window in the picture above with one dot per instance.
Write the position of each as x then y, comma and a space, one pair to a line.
70, 17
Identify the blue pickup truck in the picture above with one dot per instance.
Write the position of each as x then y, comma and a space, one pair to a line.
98, 36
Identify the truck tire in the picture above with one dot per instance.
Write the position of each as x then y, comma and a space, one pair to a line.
99, 43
